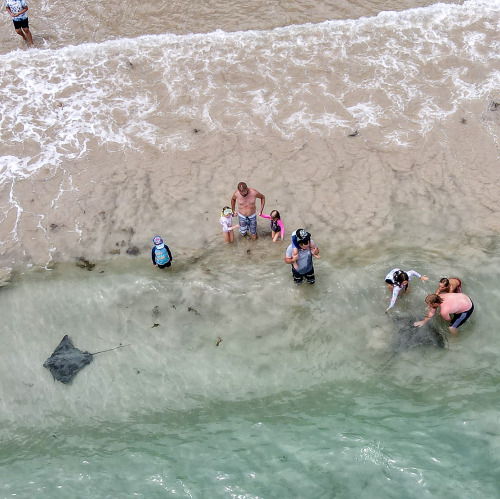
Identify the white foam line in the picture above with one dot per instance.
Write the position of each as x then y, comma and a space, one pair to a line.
440, 12
15, 205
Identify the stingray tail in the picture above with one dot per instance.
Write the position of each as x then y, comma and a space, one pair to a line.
390, 358
111, 349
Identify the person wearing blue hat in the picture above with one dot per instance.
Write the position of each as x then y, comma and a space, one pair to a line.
160, 253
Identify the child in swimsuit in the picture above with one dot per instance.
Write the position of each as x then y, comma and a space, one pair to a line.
277, 226
451, 285
226, 220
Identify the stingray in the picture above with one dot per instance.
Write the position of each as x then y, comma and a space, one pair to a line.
408, 336
67, 360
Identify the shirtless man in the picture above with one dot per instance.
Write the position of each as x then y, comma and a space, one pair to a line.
247, 211
451, 285
458, 304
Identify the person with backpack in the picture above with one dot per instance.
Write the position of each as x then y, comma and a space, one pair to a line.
160, 253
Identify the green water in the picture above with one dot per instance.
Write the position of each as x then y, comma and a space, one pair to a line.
303, 397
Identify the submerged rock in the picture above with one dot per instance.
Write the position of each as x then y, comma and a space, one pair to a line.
133, 250
85, 264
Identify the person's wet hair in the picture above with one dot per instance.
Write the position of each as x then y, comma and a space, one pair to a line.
433, 300
242, 186
445, 281
400, 277
275, 214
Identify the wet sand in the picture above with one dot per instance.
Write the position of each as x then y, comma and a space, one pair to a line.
346, 190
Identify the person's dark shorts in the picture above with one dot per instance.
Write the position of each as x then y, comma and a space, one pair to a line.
166, 265
388, 281
21, 24
298, 278
459, 319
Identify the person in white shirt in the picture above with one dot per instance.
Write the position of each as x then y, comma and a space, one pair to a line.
397, 280
18, 10
226, 220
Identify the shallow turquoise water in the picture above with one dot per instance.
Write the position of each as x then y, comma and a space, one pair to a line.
302, 398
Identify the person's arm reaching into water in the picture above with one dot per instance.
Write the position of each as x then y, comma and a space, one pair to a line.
428, 317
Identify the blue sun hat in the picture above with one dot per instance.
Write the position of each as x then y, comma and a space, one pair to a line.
157, 241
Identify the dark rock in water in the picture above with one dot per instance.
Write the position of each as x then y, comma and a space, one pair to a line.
85, 264
191, 309
66, 361
133, 250
408, 336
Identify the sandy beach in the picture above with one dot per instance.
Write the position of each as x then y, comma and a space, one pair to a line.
347, 190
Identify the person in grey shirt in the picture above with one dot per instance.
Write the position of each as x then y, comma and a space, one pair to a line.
299, 254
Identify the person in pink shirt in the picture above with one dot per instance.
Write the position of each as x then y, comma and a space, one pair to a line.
277, 227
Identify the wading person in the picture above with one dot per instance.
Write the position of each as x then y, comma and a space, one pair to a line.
277, 227
226, 220
299, 254
160, 254
247, 211
18, 10
455, 308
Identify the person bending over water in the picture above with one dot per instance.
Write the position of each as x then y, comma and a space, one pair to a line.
397, 280
458, 304
451, 285
247, 211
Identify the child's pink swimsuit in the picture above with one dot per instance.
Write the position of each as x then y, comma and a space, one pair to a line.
276, 225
